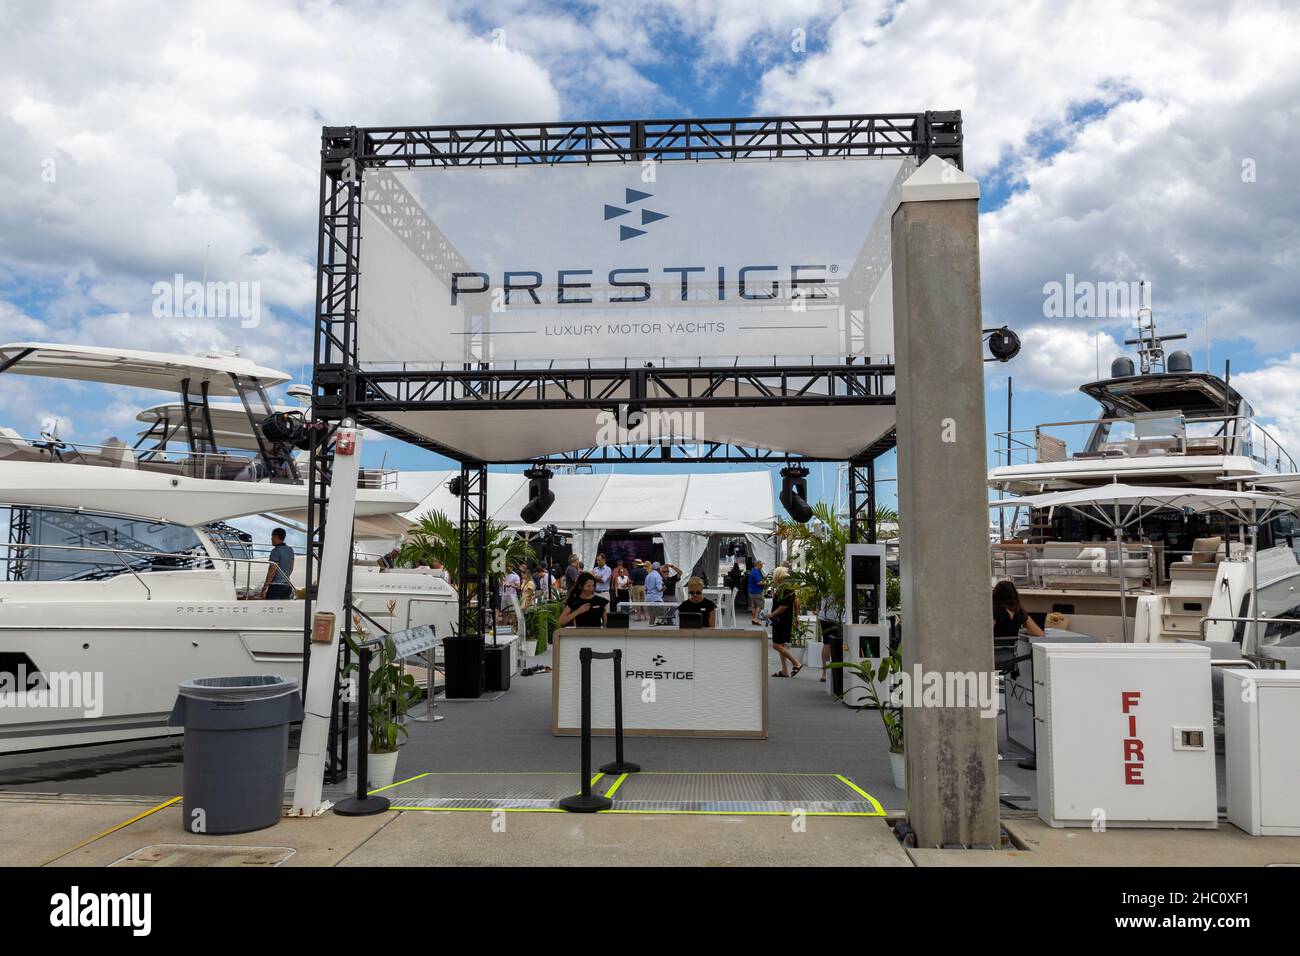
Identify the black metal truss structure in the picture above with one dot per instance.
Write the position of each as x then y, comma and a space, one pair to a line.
878, 135
342, 389
862, 501
474, 572
616, 389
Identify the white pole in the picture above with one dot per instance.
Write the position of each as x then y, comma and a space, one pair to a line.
1123, 591
336, 553
1254, 577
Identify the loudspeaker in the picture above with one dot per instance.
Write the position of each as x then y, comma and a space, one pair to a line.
496, 667
463, 662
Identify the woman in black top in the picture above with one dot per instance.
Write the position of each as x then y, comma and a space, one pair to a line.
785, 605
1008, 616
671, 574
584, 607
697, 603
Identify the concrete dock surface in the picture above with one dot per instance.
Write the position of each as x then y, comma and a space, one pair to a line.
96, 831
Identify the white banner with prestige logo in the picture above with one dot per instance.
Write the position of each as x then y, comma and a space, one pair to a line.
664, 262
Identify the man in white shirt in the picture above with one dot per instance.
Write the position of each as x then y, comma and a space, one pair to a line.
602, 571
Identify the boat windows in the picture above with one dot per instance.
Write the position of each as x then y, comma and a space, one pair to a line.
54, 544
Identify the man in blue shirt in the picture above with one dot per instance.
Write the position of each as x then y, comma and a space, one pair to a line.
755, 591
276, 587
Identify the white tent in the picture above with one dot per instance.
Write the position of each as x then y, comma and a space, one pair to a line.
687, 539
592, 505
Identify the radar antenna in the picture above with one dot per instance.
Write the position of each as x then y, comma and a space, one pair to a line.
1150, 346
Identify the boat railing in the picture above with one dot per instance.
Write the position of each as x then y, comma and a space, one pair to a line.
1084, 565
1150, 436
217, 465
189, 464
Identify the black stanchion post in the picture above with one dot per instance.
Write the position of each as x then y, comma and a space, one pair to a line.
586, 801
362, 805
619, 765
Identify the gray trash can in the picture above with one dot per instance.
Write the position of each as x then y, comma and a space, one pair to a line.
236, 748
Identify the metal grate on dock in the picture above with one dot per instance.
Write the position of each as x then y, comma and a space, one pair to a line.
815, 794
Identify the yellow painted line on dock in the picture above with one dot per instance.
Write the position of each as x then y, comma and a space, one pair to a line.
696, 813
617, 783
880, 811
400, 782
125, 823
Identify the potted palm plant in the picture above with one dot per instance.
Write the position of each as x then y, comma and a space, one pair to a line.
391, 694
889, 708
540, 621
436, 538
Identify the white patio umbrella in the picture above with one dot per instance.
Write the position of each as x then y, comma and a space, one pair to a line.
1120, 506
687, 539
704, 524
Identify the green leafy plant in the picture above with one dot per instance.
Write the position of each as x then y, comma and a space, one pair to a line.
541, 620
872, 676
436, 539
392, 692
799, 632
819, 569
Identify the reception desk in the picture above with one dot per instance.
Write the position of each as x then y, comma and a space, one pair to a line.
676, 682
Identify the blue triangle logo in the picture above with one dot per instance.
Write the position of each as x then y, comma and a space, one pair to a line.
627, 232
613, 212
635, 195
648, 217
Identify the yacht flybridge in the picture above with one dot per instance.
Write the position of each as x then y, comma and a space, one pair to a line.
1181, 572
122, 575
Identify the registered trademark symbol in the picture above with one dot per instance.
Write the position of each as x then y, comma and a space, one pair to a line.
834, 268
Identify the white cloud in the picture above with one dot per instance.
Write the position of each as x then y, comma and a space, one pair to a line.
1274, 392
1056, 358
163, 137
1149, 112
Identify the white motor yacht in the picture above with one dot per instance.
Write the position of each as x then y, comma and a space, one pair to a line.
122, 572
1184, 575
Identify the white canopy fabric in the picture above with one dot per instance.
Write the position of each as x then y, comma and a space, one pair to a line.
133, 368
592, 505
1123, 503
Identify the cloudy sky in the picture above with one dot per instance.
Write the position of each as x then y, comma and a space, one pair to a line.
1114, 141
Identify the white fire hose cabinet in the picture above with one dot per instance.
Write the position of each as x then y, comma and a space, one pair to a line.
1261, 712
1125, 737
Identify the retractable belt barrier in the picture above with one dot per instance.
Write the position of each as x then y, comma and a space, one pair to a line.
586, 801
363, 805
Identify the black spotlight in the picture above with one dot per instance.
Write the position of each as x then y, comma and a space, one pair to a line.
794, 492
287, 428
456, 486
540, 495
1004, 345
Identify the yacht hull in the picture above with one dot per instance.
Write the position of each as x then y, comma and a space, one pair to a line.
109, 671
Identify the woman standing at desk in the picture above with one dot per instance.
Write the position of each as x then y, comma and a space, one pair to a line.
697, 603
584, 607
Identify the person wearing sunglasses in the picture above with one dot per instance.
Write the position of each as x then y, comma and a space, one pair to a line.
697, 603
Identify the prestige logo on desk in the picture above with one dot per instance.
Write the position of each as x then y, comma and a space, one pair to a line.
658, 660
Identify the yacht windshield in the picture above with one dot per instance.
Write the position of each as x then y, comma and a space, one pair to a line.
51, 544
